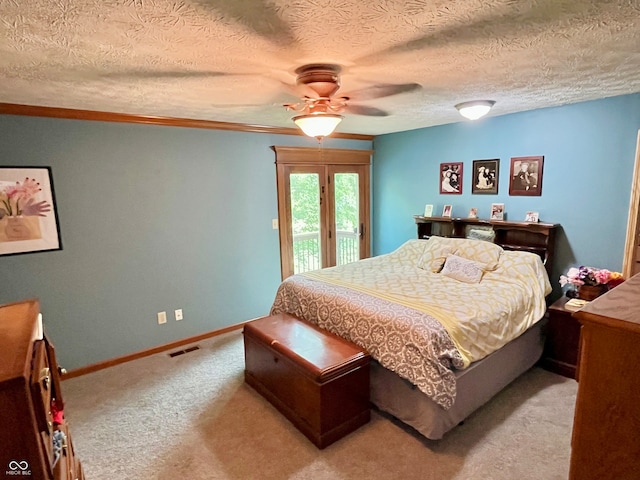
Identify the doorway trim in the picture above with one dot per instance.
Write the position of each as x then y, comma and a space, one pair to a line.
631, 248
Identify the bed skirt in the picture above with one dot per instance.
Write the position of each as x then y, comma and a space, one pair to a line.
476, 385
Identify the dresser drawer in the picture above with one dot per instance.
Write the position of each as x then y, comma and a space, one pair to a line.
41, 385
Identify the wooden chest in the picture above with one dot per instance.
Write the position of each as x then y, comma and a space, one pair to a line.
318, 380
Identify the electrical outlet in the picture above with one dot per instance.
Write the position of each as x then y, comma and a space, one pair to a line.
162, 318
274, 224
179, 314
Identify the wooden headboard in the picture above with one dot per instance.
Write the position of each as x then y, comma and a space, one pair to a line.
531, 237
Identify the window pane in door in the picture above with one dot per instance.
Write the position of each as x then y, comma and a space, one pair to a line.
347, 208
305, 221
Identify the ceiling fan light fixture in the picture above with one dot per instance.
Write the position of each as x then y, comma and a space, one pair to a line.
318, 125
475, 109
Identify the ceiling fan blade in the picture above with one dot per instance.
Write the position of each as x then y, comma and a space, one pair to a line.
495, 23
364, 110
261, 16
161, 74
299, 90
382, 90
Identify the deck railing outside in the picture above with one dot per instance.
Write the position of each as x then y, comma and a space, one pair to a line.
306, 250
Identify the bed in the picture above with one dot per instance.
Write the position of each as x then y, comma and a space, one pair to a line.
449, 321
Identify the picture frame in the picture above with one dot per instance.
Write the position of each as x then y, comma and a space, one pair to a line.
497, 211
532, 217
451, 178
428, 210
446, 211
485, 176
525, 176
473, 213
28, 216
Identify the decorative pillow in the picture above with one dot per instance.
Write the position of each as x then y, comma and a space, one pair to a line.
435, 253
462, 269
484, 253
481, 234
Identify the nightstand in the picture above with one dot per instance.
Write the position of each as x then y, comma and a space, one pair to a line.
562, 339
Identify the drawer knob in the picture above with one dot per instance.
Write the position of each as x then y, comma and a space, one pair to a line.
45, 377
275, 359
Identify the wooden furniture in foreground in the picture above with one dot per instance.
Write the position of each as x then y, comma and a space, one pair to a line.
532, 237
562, 333
29, 396
606, 428
318, 380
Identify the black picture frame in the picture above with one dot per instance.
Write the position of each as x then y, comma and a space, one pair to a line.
28, 216
486, 176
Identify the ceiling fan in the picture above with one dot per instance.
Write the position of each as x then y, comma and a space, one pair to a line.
321, 106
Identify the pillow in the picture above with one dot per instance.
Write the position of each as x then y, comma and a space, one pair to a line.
462, 269
435, 253
480, 234
484, 253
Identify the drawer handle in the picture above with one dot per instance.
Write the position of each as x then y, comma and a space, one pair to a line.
45, 377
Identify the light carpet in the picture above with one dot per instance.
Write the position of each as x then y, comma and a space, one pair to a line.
193, 417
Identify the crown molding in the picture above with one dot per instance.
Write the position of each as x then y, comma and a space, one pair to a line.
91, 115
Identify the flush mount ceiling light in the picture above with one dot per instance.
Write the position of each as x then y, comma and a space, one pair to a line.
318, 125
475, 109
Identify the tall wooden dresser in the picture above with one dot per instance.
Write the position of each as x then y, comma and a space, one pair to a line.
35, 438
606, 429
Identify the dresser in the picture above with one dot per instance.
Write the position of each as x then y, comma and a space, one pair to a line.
36, 440
606, 428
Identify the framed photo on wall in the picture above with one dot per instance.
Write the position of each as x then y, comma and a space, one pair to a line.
28, 219
525, 176
485, 176
451, 178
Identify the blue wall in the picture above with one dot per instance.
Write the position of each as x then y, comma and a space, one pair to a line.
589, 152
152, 218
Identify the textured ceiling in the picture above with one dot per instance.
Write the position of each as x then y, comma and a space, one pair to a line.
229, 60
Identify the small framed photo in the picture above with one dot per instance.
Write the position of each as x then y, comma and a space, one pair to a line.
497, 211
451, 178
446, 211
428, 210
28, 219
485, 176
531, 217
473, 213
526, 176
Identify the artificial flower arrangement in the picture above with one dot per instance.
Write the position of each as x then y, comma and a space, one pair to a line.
591, 276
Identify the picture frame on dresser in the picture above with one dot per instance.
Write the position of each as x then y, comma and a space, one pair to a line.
28, 215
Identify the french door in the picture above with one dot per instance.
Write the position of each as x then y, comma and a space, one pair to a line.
323, 208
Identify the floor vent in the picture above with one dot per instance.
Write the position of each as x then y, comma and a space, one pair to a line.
186, 350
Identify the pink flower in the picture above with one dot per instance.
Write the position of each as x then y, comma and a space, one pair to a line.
602, 276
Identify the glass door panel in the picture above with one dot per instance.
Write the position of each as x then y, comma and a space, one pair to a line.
347, 217
306, 221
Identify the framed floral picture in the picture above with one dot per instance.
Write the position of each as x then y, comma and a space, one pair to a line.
526, 176
451, 178
485, 176
28, 219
